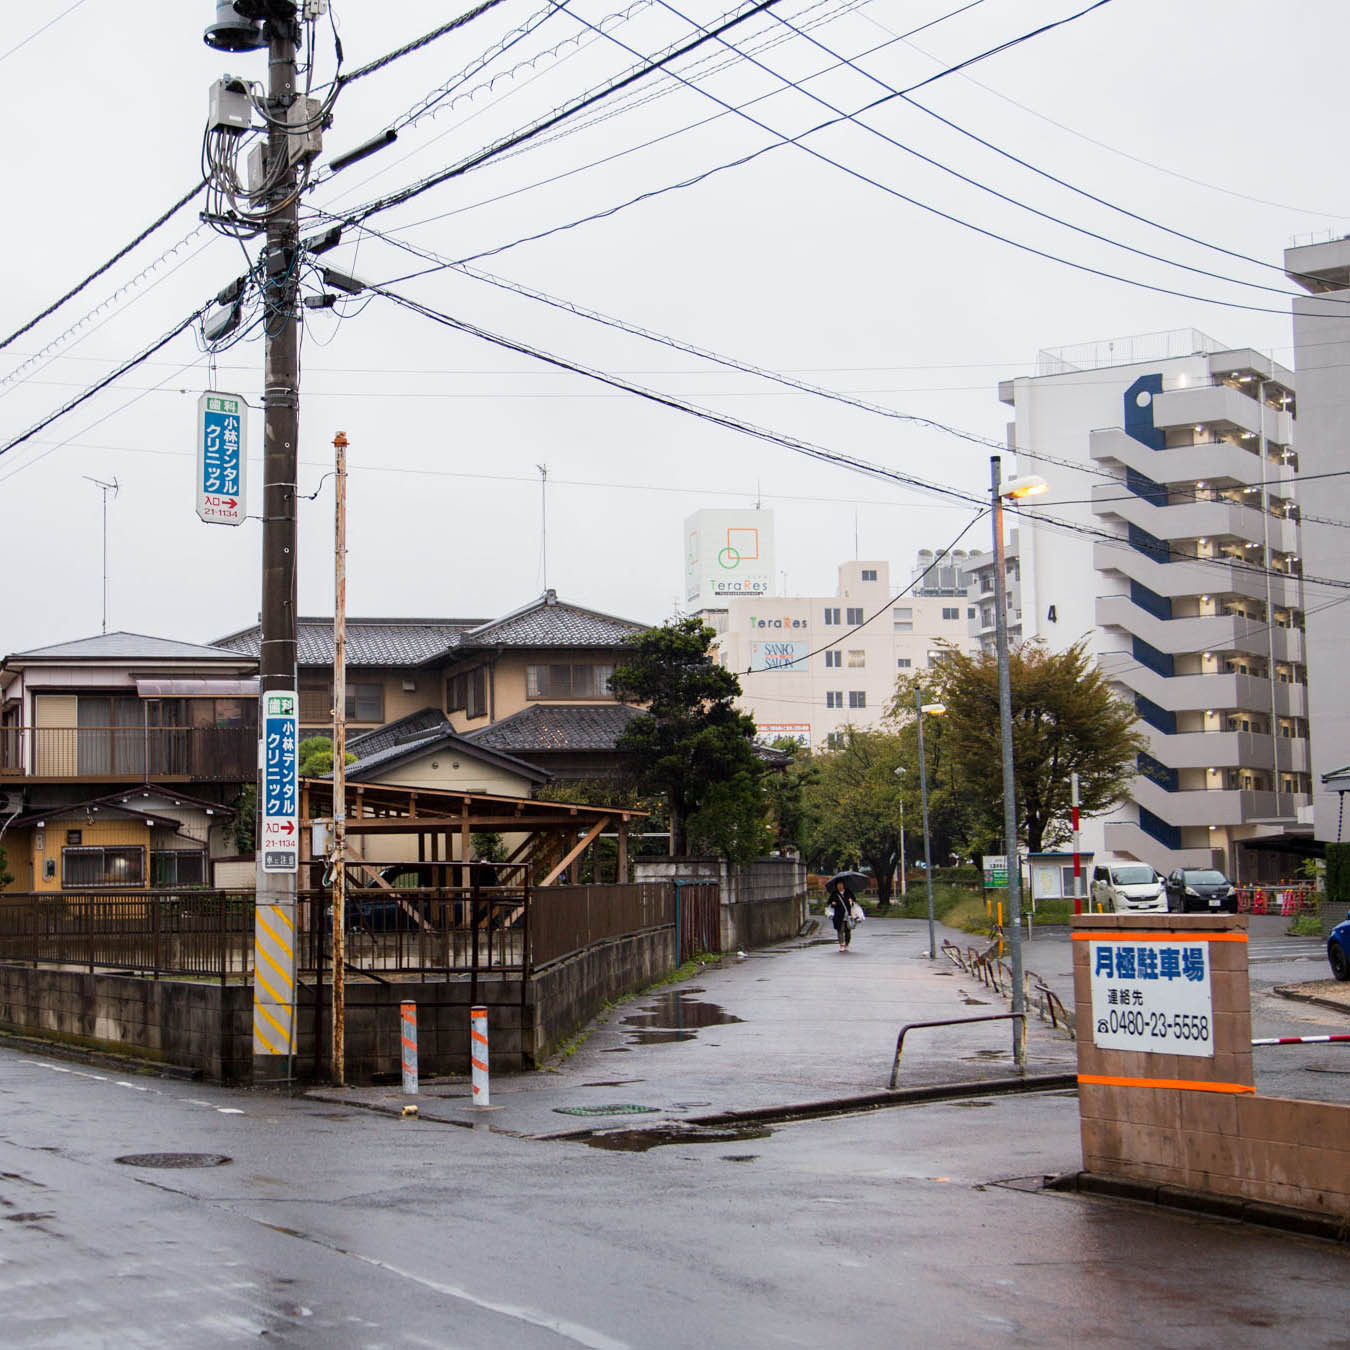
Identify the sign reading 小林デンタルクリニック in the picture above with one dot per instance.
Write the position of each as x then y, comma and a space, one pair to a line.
1152, 994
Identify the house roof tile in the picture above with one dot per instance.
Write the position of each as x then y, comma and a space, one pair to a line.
549, 622
128, 647
370, 642
553, 726
372, 765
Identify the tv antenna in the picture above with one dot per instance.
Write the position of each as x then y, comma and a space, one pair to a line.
543, 525
105, 488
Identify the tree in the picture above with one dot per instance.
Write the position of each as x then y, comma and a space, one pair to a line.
691, 739
786, 795
1065, 719
854, 804
315, 757
6, 876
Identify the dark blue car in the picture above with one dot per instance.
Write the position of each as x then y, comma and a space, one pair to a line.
1338, 949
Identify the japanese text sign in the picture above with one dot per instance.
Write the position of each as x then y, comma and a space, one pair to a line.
1152, 994
279, 842
221, 458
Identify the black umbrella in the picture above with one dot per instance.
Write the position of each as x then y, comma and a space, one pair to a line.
855, 881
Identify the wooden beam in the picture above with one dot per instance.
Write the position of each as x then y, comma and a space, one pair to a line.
575, 852
621, 876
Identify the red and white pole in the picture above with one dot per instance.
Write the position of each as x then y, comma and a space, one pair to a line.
478, 1054
408, 1038
1077, 857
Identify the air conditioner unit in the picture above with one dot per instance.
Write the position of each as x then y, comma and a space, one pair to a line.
11, 803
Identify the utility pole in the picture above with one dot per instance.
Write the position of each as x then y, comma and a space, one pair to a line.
339, 1005
275, 925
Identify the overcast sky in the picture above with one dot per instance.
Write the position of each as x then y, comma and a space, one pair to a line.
1221, 120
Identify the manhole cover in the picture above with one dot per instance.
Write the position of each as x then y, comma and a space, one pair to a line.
173, 1159
618, 1109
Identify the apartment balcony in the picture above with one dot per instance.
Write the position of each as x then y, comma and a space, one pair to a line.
1216, 576
1219, 806
1205, 405
107, 754
1197, 520
1227, 750
1205, 633
1125, 838
1213, 462
1197, 693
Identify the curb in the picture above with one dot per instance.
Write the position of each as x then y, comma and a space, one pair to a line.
1306, 1223
867, 1101
103, 1059
1293, 995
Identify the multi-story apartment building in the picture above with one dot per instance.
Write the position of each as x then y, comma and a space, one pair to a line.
978, 571
1171, 540
811, 666
1321, 357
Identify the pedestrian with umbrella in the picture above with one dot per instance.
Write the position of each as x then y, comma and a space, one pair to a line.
842, 905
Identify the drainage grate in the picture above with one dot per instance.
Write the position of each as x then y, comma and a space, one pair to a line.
617, 1109
173, 1159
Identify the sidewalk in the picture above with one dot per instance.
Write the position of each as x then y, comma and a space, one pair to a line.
781, 1026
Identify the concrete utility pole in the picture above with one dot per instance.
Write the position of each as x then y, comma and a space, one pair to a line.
276, 927
339, 1009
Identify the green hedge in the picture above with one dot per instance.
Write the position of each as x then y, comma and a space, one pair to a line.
1338, 873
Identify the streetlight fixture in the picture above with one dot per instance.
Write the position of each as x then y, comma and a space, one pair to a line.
904, 889
1028, 485
932, 710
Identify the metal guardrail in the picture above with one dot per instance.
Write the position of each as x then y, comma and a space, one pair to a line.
1019, 1035
995, 974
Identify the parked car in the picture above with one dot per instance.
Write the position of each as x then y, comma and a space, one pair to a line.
1200, 890
1127, 888
1338, 949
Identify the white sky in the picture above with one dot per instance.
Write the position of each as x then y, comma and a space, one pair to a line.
787, 262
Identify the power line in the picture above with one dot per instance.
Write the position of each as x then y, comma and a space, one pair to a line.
116, 257
37, 32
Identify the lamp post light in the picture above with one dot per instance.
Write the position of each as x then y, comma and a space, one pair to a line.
1028, 486
904, 889
933, 710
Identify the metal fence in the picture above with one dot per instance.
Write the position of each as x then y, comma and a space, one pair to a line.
192, 933
472, 928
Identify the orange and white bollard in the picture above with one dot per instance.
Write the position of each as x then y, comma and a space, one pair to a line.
408, 1038
478, 1054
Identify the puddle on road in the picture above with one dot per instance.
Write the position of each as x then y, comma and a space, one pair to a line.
969, 1105
639, 1141
613, 1082
987, 1054
739, 1157
674, 1016
972, 1002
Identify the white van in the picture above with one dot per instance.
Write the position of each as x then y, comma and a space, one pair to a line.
1122, 887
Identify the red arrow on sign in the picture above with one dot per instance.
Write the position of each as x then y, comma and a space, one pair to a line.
288, 826
231, 503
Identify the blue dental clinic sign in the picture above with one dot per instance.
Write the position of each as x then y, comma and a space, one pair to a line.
280, 841
221, 458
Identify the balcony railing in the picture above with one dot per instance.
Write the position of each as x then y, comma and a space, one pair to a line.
139, 753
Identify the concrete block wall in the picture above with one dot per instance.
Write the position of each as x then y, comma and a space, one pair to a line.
1212, 1133
763, 901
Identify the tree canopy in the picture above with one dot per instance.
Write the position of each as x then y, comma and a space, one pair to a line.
691, 744
1066, 720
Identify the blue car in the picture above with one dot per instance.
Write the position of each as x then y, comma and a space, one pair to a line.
1338, 949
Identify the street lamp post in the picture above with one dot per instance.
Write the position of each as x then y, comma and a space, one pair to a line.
1015, 487
904, 889
936, 710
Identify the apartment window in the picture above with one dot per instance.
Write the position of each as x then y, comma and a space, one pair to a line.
833, 659
834, 740
853, 616
102, 867
857, 659
970, 613
834, 698
951, 612
365, 702
831, 616
869, 574
902, 663
857, 698
564, 680
177, 867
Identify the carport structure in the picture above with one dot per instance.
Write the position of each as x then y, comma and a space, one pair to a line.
431, 825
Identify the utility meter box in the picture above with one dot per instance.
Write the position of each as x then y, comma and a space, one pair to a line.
228, 104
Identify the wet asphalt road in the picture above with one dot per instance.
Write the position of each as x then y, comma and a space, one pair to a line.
338, 1227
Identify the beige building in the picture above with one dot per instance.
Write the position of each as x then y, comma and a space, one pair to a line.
810, 666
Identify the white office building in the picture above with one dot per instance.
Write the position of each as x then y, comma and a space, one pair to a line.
1322, 359
811, 666
1177, 555
728, 554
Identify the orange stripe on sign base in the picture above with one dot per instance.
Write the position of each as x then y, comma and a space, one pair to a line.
478, 1064
1184, 1084
1124, 935
479, 1037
